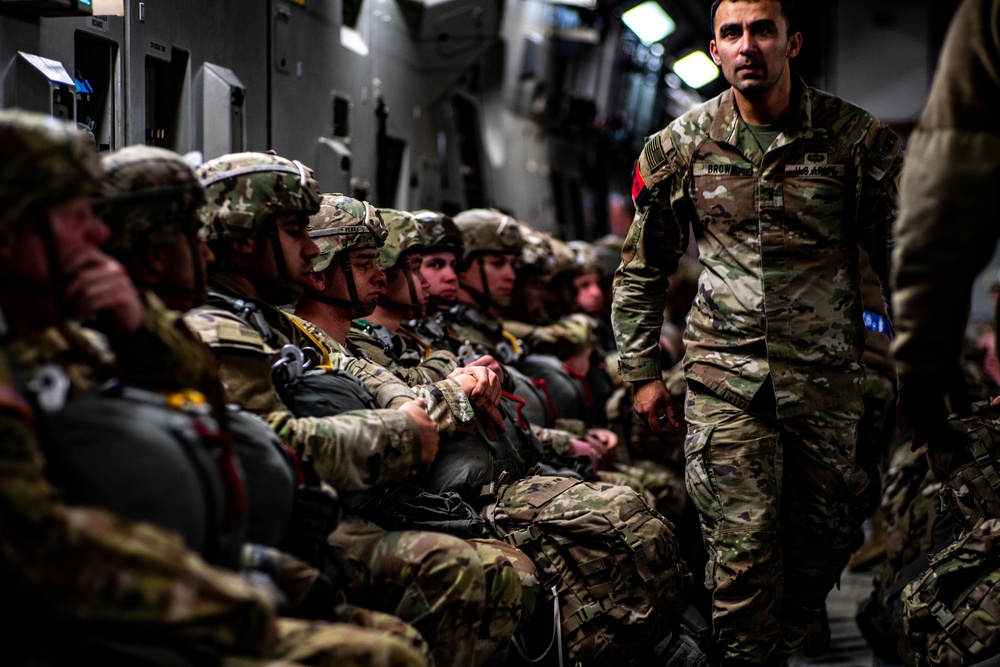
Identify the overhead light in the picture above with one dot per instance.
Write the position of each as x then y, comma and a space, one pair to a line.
696, 69
649, 22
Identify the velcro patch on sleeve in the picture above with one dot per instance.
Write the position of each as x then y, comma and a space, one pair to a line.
885, 156
652, 167
653, 154
237, 334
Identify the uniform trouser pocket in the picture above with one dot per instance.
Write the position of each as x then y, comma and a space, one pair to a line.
733, 476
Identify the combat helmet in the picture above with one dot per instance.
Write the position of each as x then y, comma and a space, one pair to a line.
245, 194
45, 162
405, 235
440, 233
561, 284
152, 198
487, 231
537, 255
585, 257
247, 191
344, 223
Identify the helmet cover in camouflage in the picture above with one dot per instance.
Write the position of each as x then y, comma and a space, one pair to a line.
45, 162
153, 196
245, 191
563, 255
344, 223
440, 232
404, 234
537, 257
488, 230
568, 337
585, 257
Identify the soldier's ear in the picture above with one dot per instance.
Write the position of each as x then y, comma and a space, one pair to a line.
241, 246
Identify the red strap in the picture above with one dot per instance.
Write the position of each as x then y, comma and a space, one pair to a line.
519, 409
294, 456
543, 387
588, 395
236, 499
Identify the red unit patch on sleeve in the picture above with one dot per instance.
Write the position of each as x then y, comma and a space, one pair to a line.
638, 185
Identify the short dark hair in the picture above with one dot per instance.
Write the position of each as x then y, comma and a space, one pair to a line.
787, 8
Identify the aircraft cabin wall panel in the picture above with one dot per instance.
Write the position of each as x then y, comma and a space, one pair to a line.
168, 47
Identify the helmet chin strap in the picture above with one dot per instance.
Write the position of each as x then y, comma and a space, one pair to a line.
58, 281
483, 298
274, 290
357, 307
195, 294
415, 308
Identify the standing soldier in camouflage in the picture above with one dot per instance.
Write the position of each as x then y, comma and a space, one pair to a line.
780, 183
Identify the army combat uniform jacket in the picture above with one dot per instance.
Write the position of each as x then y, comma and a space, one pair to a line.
409, 358
778, 235
342, 447
447, 404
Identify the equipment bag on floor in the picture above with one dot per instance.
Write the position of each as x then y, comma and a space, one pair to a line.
951, 613
611, 560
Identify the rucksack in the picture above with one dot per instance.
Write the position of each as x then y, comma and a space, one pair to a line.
951, 613
608, 558
972, 491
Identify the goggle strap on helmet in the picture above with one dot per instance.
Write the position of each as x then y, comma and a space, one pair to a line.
484, 298
340, 231
299, 171
196, 293
414, 306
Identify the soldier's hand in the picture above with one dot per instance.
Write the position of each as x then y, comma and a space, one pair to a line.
926, 402
482, 386
99, 288
417, 408
489, 362
578, 447
653, 407
604, 440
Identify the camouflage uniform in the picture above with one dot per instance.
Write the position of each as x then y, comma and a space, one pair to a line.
774, 342
404, 355
504, 567
436, 582
109, 589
